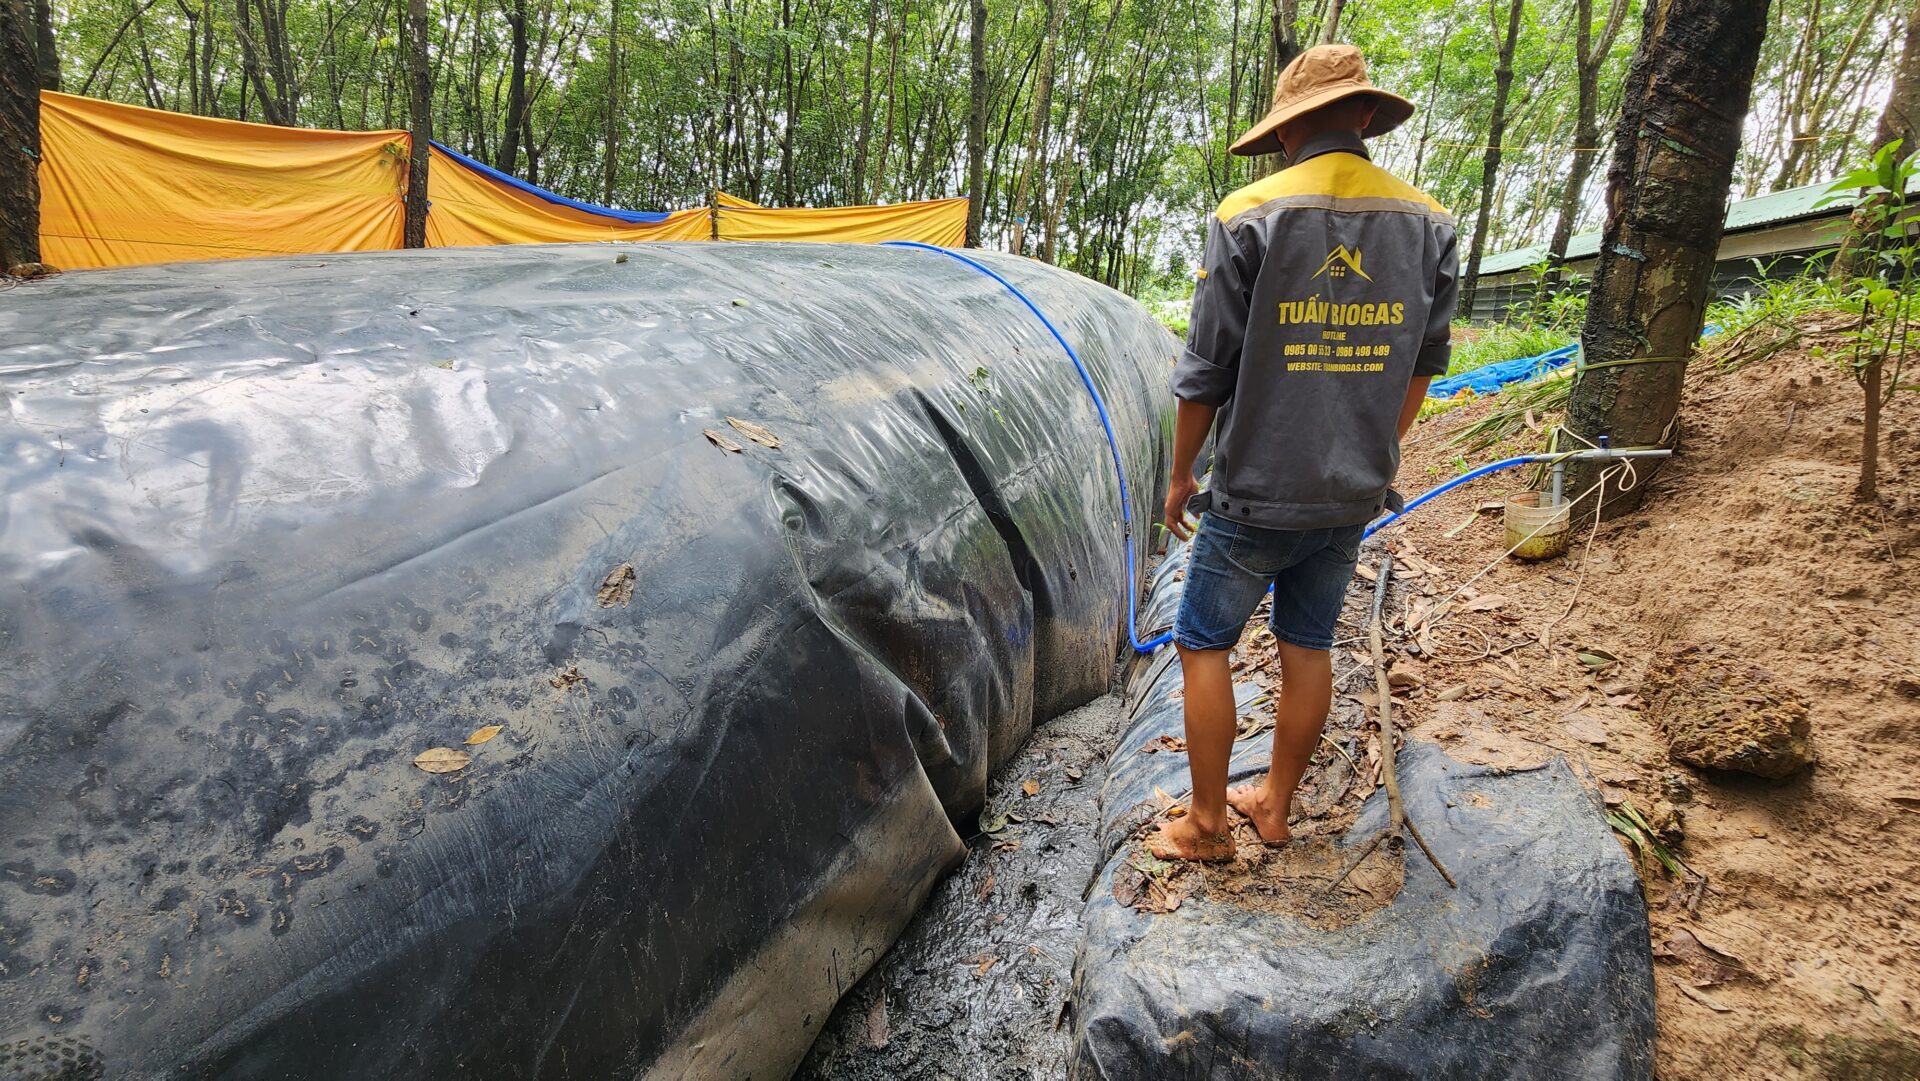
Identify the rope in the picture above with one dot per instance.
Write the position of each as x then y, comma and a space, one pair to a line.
1579, 366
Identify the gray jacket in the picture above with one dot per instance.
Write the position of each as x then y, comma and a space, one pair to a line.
1325, 289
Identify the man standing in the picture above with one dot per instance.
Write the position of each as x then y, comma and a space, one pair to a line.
1322, 311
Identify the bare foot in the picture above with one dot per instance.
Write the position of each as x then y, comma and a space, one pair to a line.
1183, 839
1251, 800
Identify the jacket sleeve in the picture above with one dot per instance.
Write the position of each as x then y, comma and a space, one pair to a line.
1436, 349
1217, 327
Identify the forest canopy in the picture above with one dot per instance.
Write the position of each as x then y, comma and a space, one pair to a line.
1106, 121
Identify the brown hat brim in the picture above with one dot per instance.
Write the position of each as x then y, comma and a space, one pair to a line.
1262, 138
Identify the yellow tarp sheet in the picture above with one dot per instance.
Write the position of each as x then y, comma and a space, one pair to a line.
940, 221
468, 208
122, 185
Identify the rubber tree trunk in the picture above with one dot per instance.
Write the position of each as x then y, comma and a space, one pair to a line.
272, 108
509, 155
1036, 125
610, 159
977, 128
1331, 32
419, 123
1588, 56
19, 137
1490, 165
1685, 99
1899, 119
45, 45
1283, 44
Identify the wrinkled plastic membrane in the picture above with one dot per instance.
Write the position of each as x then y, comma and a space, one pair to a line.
269, 530
1537, 967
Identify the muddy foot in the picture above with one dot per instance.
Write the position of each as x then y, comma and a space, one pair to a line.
1181, 839
1271, 822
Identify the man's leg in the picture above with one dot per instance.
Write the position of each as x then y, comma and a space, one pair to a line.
1202, 832
1221, 593
1306, 694
1307, 598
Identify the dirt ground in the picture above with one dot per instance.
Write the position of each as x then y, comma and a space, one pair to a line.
1799, 955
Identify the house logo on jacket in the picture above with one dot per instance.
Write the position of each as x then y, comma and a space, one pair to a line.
1339, 261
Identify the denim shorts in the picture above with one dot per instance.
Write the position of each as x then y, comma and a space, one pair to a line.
1230, 566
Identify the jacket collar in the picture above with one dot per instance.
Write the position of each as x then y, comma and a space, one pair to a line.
1326, 143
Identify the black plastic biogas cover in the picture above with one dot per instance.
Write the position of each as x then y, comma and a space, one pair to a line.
548, 662
1537, 968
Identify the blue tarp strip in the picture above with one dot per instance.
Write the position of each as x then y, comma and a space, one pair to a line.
1491, 377
631, 217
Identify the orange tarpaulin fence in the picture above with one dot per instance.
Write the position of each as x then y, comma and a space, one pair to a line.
466, 208
121, 185
940, 221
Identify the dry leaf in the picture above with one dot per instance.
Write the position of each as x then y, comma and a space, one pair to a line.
758, 433
1366, 572
1484, 604
481, 735
986, 964
1030, 786
617, 587
1707, 964
442, 760
565, 679
1165, 801
877, 1022
1164, 743
1703, 1000
1176, 811
986, 887
1584, 729
722, 440
1452, 694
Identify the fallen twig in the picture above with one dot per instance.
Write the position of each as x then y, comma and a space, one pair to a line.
1397, 821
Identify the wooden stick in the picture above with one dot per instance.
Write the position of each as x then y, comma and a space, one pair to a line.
1397, 821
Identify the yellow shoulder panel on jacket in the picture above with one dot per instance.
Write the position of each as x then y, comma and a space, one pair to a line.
1336, 176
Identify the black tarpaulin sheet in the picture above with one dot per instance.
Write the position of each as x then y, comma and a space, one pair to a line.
271, 529
1537, 967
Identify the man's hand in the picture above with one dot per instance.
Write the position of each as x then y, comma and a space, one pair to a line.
1191, 422
1179, 490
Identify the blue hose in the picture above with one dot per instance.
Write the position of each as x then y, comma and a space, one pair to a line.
1106, 422
1119, 471
1504, 463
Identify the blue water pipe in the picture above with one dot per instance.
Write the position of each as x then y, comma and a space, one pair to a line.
1120, 473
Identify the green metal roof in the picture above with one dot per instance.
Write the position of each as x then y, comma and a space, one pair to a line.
1791, 204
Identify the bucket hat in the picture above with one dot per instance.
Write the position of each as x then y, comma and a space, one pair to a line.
1319, 77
